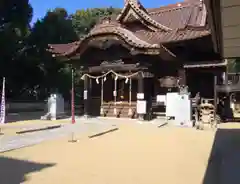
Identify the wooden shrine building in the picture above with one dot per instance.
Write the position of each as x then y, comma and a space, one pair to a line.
142, 53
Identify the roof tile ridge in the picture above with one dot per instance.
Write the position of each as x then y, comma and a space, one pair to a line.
189, 18
142, 14
147, 17
104, 24
204, 15
168, 10
123, 9
195, 28
175, 8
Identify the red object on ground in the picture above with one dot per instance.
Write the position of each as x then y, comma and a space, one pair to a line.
72, 107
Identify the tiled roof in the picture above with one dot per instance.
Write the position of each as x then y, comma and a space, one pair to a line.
173, 36
63, 49
181, 15
126, 34
183, 21
187, 21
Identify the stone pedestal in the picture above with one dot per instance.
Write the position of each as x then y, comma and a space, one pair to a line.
55, 106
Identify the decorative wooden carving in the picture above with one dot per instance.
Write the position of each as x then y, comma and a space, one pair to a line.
110, 63
168, 82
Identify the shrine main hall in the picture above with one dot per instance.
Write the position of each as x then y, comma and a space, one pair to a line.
130, 59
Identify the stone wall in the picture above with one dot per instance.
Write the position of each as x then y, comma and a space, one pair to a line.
38, 106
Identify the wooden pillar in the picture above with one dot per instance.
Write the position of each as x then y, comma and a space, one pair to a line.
140, 84
182, 77
140, 95
86, 96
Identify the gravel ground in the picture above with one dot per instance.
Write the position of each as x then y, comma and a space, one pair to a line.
135, 154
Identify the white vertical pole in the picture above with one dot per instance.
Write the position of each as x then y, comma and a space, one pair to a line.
115, 96
3, 106
3, 110
130, 97
102, 81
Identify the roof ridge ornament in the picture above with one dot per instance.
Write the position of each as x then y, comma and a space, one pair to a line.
135, 5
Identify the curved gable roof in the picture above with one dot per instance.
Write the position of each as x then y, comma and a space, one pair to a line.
182, 21
101, 30
136, 7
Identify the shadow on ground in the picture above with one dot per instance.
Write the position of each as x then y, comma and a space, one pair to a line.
224, 161
23, 116
13, 171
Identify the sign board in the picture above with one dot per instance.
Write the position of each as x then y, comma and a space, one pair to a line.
141, 106
140, 96
55, 105
183, 115
52, 106
171, 100
161, 99
85, 95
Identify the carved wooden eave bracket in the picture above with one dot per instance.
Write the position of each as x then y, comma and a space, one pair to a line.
168, 81
132, 8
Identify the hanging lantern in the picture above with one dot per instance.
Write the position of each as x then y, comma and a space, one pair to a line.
116, 77
126, 81
105, 78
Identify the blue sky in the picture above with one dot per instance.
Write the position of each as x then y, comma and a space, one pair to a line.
41, 6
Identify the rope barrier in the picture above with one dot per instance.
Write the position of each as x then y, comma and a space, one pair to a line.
109, 72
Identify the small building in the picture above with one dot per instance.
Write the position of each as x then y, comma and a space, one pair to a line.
143, 53
225, 26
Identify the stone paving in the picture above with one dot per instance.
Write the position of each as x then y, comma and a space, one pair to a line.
18, 141
82, 125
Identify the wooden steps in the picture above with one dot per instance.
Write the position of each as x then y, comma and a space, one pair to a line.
122, 110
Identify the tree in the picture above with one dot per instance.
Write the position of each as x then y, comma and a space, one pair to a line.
15, 16
24, 57
233, 65
84, 20
58, 27
54, 28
